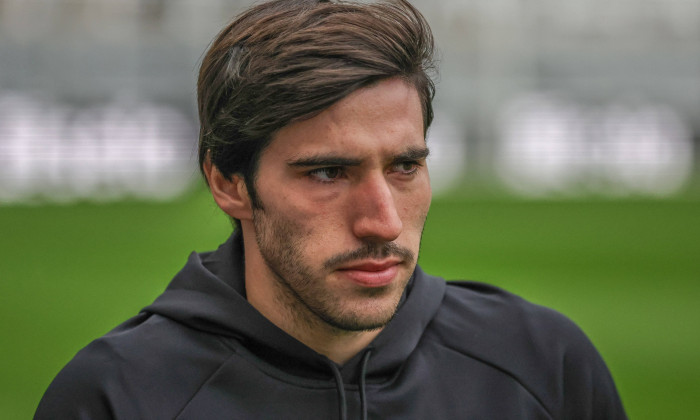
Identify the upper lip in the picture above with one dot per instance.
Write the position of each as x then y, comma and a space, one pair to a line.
371, 265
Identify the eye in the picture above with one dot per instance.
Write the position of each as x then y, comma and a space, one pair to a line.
328, 174
406, 168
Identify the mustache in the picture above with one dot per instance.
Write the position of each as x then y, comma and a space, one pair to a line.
370, 250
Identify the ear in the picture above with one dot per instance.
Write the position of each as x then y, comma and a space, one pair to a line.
230, 195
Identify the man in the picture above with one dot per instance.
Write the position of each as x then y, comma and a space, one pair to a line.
313, 121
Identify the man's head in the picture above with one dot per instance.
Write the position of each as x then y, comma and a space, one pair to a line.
287, 60
314, 118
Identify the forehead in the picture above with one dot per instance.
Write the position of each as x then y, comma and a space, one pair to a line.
385, 117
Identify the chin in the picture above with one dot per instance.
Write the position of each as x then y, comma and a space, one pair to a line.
357, 324
370, 312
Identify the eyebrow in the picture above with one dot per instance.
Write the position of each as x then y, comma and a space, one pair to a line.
413, 153
324, 160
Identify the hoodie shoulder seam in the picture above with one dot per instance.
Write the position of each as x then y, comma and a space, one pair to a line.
503, 371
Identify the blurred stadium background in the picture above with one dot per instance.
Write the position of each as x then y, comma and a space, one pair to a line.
564, 160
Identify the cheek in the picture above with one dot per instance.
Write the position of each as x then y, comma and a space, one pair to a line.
314, 226
303, 203
318, 223
415, 208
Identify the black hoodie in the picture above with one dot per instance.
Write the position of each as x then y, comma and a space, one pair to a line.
458, 350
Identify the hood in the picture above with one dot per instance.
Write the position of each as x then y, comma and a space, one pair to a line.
208, 294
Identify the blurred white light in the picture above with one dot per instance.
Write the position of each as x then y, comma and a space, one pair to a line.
645, 149
52, 152
448, 153
551, 146
542, 146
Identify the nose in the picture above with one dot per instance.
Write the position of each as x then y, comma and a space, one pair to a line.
374, 210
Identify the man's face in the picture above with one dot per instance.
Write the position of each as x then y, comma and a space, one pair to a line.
344, 197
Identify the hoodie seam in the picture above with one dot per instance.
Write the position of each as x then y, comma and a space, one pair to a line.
203, 384
503, 371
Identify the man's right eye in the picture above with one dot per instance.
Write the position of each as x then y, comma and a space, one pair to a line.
328, 174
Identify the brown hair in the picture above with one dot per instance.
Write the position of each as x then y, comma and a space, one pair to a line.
287, 60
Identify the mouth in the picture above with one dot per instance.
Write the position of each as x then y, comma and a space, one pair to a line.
371, 273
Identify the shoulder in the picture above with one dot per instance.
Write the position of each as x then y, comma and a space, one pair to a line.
496, 314
505, 329
141, 369
540, 348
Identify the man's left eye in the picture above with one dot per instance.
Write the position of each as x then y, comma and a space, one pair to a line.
326, 174
406, 167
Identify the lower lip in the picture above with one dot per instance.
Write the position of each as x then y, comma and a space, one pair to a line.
366, 278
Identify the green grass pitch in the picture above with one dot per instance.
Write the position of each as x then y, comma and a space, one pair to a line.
628, 272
